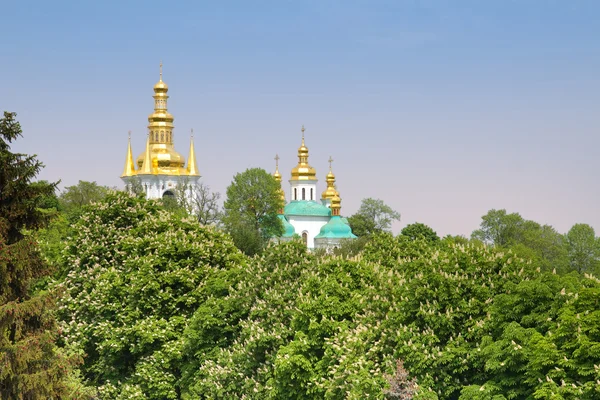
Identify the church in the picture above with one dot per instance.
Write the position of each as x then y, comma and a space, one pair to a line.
162, 172
318, 223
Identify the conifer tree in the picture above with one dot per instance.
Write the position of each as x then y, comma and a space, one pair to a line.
30, 367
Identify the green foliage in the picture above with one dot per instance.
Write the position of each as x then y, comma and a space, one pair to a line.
541, 243
583, 249
351, 247
253, 201
135, 273
30, 365
373, 216
500, 228
419, 231
74, 198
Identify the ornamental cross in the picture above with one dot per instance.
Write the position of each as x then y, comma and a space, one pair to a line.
129, 133
161, 70
276, 160
192, 133
330, 161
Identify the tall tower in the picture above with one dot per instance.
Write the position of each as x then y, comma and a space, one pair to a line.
303, 184
161, 170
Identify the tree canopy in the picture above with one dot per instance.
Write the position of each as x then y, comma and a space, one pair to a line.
31, 367
250, 209
133, 275
420, 231
373, 216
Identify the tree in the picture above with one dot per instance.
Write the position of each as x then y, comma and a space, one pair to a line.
499, 228
132, 280
373, 216
250, 210
583, 248
419, 231
199, 201
206, 205
75, 197
30, 365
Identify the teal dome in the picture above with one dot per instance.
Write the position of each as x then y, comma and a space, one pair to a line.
308, 208
288, 229
336, 228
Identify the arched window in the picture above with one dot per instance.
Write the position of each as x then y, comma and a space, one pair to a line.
303, 194
168, 193
305, 238
311, 193
162, 136
295, 194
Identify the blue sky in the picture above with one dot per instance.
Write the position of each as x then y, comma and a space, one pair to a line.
443, 109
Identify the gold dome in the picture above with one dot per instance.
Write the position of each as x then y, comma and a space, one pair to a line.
165, 160
161, 87
303, 171
331, 191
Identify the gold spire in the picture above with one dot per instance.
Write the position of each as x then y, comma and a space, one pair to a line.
192, 167
330, 192
303, 171
129, 169
277, 177
147, 163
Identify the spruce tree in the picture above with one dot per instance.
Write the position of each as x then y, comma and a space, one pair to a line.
30, 367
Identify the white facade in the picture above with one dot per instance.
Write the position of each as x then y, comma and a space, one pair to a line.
309, 225
303, 190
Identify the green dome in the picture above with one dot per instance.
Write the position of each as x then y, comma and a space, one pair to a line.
308, 208
336, 228
288, 229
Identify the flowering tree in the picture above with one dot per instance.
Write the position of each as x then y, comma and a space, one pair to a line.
134, 274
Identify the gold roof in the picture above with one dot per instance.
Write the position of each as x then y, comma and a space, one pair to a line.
331, 191
160, 151
303, 171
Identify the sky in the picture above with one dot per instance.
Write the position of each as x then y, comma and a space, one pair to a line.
443, 109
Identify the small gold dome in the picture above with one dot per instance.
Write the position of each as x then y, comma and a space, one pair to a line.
303, 171
161, 86
336, 202
331, 191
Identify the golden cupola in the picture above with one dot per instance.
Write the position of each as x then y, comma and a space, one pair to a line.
303, 171
331, 191
164, 160
336, 205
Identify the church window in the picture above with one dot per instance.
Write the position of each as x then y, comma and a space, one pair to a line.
162, 136
311, 193
303, 194
305, 238
295, 194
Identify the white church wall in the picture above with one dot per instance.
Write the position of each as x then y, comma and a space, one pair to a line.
310, 224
